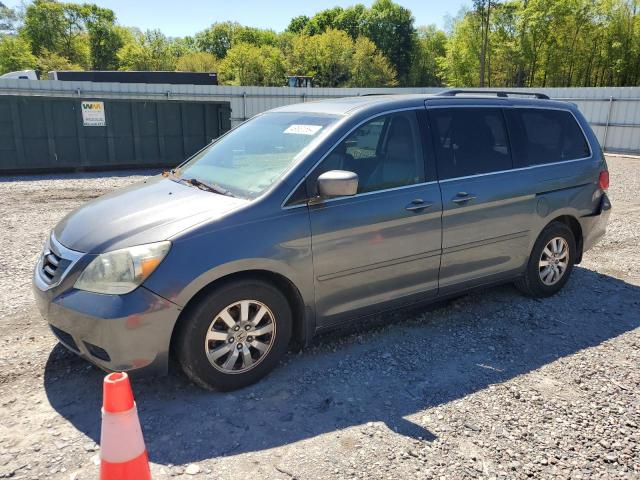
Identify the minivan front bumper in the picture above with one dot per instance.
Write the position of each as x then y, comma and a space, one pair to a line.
129, 332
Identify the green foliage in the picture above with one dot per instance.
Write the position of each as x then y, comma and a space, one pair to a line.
460, 65
15, 54
322, 21
546, 43
369, 68
247, 64
255, 36
273, 66
217, 39
352, 20
428, 54
390, 27
150, 50
50, 61
84, 34
105, 39
44, 26
220, 37
330, 59
524, 43
197, 62
297, 24
334, 60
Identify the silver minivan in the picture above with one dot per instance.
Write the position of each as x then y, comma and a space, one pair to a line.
310, 215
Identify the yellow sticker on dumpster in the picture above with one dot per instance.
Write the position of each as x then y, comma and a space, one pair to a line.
93, 113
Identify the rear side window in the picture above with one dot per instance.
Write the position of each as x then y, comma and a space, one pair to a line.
541, 136
469, 141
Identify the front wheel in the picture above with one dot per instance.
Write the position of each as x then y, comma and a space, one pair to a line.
551, 262
235, 335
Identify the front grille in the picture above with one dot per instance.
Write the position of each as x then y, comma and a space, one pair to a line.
65, 338
50, 265
54, 262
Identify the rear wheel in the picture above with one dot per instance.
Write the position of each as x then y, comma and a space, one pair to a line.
551, 262
235, 335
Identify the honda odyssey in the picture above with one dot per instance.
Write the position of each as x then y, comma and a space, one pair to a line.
310, 215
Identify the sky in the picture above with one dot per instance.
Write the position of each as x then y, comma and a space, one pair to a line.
186, 17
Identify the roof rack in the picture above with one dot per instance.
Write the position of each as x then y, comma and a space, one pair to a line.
498, 93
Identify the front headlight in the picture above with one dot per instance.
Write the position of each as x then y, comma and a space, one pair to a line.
121, 271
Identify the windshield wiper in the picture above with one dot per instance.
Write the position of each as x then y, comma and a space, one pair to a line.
207, 186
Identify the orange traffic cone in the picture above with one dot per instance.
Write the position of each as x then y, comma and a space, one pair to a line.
123, 455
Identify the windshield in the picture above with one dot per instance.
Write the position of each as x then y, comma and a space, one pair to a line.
249, 159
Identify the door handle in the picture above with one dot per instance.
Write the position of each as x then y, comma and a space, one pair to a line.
417, 205
463, 197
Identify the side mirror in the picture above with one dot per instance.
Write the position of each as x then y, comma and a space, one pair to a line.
337, 183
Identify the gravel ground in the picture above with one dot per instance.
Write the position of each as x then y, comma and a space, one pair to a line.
491, 385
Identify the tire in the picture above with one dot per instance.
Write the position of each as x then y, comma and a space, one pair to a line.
207, 318
532, 283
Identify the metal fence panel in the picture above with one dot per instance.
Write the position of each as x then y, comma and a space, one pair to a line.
180, 126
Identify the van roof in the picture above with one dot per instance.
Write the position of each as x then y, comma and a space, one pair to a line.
350, 105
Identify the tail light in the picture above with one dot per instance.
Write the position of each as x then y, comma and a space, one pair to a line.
603, 180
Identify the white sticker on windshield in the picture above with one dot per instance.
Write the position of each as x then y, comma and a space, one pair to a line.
303, 129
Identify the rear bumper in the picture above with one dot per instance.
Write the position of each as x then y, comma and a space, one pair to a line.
594, 226
115, 332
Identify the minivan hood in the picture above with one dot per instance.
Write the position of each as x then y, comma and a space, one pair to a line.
150, 211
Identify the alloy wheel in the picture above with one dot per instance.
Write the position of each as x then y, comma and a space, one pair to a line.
554, 261
240, 336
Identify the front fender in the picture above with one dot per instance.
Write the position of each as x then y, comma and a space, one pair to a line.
280, 244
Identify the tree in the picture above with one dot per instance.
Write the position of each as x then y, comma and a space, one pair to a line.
44, 24
483, 11
242, 66
429, 51
220, 37
495, 43
334, 60
390, 27
255, 36
51, 61
197, 62
322, 21
387, 24
352, 20
84, 34
460, 65
105, 37
334, 51
369, 68
325, 57
217, 39
273, 66
15, 54
73, 17
298, 24
150, 50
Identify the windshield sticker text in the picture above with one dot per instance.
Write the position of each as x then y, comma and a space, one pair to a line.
303, 129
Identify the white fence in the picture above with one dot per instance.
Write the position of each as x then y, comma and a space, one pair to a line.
613, 112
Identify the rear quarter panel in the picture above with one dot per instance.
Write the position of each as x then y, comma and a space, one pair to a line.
567, 188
